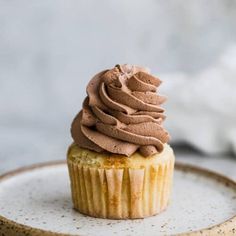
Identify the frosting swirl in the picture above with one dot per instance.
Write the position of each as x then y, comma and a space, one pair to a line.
122, 113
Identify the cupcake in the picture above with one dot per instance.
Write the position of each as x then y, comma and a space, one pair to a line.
120, 164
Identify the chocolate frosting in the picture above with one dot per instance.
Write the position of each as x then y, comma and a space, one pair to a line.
122, 113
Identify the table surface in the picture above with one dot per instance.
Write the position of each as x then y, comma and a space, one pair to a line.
225, 165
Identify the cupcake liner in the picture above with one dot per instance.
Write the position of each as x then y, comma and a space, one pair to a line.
121, 193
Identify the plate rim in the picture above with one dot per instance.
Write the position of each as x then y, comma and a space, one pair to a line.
11, 227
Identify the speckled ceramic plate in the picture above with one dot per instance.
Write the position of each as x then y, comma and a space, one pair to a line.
36, 201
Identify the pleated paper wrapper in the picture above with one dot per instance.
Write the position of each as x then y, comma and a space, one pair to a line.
121, 193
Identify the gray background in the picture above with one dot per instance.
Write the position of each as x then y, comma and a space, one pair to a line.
50, 49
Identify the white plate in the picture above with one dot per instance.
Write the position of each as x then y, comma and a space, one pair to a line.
39, 198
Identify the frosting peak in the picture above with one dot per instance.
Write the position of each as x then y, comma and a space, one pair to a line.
122, 113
